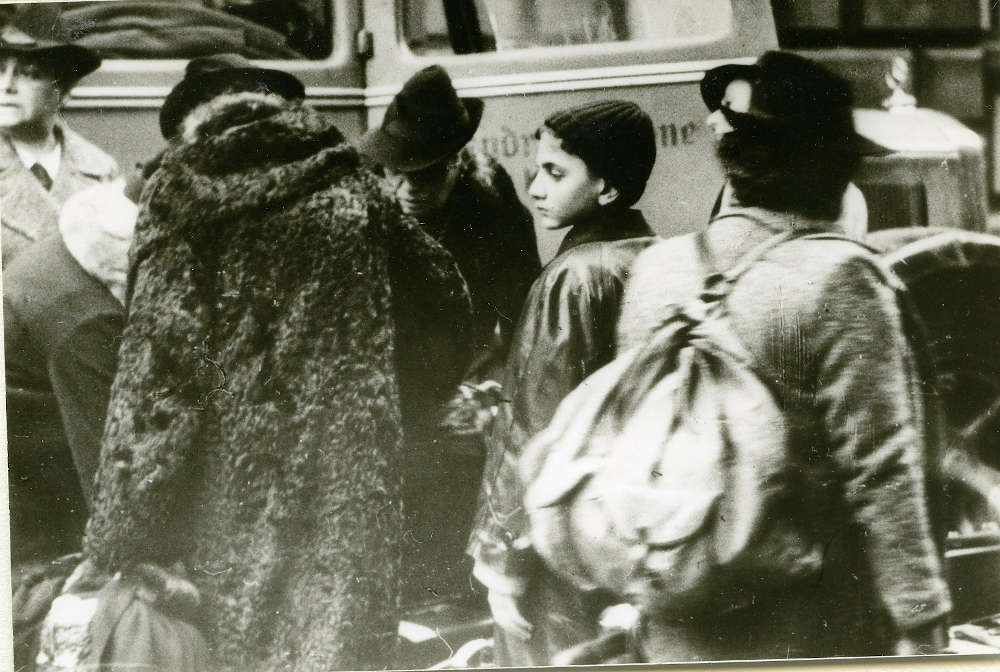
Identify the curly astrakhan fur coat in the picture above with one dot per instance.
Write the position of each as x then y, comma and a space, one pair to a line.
254, 429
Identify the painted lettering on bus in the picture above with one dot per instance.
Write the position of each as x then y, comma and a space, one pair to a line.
510, 143
673, 134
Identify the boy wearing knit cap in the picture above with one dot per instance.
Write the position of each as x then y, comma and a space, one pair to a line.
593, 162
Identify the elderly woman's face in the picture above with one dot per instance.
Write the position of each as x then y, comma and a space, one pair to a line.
737, 99
29, 93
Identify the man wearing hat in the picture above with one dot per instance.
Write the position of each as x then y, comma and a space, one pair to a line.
254, 426
822, 324
42, 161
466, 200
462, 197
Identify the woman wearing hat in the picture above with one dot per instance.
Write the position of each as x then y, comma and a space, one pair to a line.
821, 322
42, 161
254, 426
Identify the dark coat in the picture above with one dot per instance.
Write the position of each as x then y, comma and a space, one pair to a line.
254, 428
824, 327
566, 332
30, 212
62, 329
492, 237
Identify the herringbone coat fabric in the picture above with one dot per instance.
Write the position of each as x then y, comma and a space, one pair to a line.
254, 430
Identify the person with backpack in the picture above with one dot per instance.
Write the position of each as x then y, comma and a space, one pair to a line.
820, 326
593, 162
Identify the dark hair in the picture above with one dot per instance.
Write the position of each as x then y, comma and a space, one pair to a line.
796, 168
614, 138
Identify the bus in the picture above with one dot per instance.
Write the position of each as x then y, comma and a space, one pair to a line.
527, 59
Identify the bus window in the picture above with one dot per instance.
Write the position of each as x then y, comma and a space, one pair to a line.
470, 26
168, 29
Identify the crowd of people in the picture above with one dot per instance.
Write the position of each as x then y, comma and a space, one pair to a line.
221, 369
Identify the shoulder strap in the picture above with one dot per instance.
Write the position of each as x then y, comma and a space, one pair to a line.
718, 284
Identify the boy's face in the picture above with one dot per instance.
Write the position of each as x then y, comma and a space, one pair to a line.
28, 93
564, 190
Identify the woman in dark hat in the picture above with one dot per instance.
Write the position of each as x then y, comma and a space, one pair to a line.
823, 326
42, 161
254, 426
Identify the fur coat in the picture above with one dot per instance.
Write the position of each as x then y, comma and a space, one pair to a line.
254, 429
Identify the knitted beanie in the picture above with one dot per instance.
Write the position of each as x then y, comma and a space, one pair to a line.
616, 140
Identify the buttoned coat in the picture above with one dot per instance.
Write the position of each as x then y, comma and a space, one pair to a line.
27, 211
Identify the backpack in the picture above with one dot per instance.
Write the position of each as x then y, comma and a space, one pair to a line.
659, 477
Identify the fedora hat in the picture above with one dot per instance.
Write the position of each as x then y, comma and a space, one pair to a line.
425, 122
789, 90
38, 32
209, 76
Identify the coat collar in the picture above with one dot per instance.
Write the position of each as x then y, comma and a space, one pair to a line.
771, 219
78, 155
606, 226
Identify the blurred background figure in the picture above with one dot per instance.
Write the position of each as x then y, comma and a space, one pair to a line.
42, 161
63, 315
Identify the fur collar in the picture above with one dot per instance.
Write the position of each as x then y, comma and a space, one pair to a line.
247, 154
204, 118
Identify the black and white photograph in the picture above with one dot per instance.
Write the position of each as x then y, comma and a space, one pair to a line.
457, 334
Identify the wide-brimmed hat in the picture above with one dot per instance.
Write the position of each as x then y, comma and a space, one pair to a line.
424, 123
209, 76
789, 90
38, 32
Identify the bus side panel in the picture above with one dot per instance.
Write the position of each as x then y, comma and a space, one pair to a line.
686, 178
132, 134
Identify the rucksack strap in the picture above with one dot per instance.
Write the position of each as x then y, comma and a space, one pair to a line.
718, 284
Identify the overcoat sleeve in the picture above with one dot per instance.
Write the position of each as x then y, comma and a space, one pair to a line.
167, 374
433, 317
872, 421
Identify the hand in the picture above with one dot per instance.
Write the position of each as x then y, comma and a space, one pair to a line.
507, 614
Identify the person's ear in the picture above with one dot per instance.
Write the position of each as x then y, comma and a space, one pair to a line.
608, 193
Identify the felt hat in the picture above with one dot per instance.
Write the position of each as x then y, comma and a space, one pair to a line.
425, 122
789, 91
38, 32
209, 76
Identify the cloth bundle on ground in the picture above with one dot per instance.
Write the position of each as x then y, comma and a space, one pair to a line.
143, 619
254, 429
